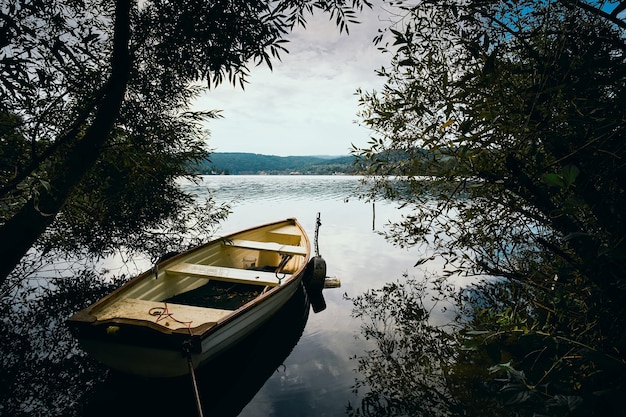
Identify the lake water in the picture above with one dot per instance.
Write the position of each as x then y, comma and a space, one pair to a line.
316, 378
302, 363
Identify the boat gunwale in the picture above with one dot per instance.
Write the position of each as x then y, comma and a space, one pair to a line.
86, 318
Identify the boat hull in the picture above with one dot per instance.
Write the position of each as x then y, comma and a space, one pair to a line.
154, 362
163, 347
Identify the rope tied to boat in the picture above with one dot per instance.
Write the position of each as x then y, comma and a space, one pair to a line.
186, 347
163, 313
283, 262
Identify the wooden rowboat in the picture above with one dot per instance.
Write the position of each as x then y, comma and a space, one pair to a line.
191, 307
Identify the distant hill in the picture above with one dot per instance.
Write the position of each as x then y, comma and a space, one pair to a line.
241, 163
422, 162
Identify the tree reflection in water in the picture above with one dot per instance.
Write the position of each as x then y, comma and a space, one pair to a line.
45, 374
415, 367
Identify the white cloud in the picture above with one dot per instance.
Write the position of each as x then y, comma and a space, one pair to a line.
307, 104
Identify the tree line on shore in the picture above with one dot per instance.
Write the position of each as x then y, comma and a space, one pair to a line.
236, 163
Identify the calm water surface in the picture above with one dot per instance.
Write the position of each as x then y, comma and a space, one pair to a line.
316, 378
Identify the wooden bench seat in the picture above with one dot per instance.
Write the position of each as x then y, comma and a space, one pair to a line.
170, 315
268, 246
290, 230
245, 276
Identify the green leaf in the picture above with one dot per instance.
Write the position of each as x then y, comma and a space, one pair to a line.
569, 174
477, 332
553, 180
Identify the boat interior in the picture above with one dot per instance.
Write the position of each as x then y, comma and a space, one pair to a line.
215, 279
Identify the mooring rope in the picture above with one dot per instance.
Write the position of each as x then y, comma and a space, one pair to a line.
187, 351
162, 313
283, 262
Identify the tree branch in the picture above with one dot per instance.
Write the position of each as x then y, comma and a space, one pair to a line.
612, 17
21, 231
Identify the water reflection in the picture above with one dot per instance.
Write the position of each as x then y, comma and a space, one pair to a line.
251, 188
225, 385
415, 367
46, 375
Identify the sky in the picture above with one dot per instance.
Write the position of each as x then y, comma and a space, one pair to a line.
307, 104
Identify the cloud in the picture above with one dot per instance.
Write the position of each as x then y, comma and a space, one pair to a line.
307, 104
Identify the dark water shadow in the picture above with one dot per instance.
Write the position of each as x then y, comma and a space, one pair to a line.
226, 385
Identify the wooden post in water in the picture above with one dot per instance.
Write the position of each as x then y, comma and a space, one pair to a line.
373, 215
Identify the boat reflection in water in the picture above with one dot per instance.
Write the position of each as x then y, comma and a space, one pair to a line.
226, 384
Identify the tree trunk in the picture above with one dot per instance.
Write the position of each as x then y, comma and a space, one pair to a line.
21, 231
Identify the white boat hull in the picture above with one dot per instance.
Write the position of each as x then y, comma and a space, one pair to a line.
132, 333
154, 362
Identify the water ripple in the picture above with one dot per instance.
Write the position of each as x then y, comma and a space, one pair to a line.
273, 187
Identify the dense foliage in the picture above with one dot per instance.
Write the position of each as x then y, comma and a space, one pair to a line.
418, 364
95, 135
93, 103
525, 103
